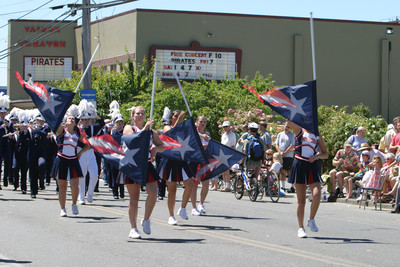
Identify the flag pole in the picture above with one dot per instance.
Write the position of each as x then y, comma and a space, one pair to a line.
87, 67
153, 90
313, 46
180, 87
183, 94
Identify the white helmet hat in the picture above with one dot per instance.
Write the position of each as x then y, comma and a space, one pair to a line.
4, 102
84, 109
253, 125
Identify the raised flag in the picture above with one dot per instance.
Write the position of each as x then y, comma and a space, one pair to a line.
220, 158
296, 103
131, 158
106, 144
183, 143
51, 102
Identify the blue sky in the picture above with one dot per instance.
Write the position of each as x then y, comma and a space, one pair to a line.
363, 10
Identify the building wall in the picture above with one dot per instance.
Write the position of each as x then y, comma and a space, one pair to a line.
117, 37
352, 58
61, 43
353, 61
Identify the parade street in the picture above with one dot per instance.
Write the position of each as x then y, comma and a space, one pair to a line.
232, 233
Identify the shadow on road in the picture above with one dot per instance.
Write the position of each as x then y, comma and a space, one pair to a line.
94, 219
209, 227
344, 240
235, 217
14, 261
166, 240
16, 199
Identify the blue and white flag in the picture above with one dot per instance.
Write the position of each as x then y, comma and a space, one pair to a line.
51, 102
183, 143
296, 103
220, 158
131, 158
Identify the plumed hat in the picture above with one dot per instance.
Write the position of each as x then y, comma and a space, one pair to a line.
165, 118
4, 101
85, 111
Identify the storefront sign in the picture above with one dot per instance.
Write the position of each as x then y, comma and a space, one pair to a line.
60, 44
47, 68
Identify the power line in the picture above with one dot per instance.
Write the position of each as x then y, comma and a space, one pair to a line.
13, 3
29, 12
38, 33
16, 12
37, 39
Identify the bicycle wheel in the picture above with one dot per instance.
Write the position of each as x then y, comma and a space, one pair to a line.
274, 187
238, 187
253, 193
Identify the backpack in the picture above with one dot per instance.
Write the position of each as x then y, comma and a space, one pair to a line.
255, 149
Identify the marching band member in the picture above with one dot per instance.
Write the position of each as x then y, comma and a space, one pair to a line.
138, 119
37, 154
66, 165
88, 160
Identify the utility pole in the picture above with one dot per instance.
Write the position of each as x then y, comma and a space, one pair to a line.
86, 44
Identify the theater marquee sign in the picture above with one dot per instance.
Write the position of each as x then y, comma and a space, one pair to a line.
48, 68
191, 62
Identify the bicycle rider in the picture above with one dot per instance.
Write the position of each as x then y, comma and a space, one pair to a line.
250, 163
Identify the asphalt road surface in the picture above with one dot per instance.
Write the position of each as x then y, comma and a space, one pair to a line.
232, 233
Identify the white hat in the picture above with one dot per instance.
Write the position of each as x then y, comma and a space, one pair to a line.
365, 152
226, 123
114, 105
166, 116
85, 111
39, 117
4, 101
253, 125
118, 117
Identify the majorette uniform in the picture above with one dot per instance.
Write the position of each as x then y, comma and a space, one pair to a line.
66, 164
302, 171
152, 175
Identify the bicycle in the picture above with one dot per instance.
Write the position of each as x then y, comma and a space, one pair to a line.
232, 179
269, 185
245, 180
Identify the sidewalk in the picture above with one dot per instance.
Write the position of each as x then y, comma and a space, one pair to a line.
385, 206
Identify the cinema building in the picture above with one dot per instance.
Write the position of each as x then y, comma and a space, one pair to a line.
356, 61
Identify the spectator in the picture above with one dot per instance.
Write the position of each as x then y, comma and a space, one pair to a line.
285, 146
358, 139
276, 166
392, 175
268, 158
349, 181
229, 139
245, 133
391, 162
265, 135
395, 142
30, 79
345, 161
372, 151
391, 132
371, 178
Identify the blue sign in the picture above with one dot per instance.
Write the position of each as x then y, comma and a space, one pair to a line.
88, 94
3, 90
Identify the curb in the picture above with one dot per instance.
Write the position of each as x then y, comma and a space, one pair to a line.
352, 201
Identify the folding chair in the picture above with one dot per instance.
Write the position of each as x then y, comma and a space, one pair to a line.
378, 189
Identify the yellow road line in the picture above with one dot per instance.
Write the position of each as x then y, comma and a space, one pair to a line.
249, 242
